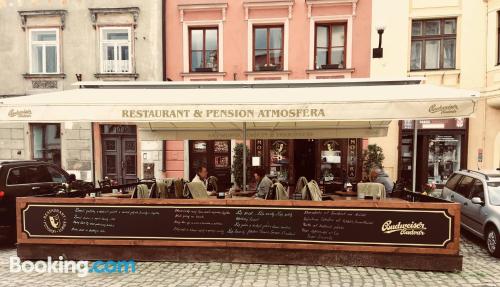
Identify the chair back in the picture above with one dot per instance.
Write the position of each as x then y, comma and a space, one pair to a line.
141, 191
280, 191
301, 188
179, 188
212, 184
271, 194
314, 191
196, 190
373, 189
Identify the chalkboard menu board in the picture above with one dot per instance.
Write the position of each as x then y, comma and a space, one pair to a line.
325, 225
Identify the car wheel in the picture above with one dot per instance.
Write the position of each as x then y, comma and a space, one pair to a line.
493, 242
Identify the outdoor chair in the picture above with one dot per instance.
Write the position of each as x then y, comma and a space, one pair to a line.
195, 190
141, 191
314, 191
373, 189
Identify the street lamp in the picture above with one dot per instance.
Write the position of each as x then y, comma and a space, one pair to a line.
379, 52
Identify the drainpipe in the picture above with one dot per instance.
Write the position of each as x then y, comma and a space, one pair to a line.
163, 38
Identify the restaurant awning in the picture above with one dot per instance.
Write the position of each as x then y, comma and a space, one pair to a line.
292, 109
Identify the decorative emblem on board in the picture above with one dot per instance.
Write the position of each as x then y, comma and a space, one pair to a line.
54, 220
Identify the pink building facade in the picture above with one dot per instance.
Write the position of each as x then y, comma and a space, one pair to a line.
222, 40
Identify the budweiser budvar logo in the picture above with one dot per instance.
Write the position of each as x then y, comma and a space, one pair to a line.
413, 228
447, 109
20, 113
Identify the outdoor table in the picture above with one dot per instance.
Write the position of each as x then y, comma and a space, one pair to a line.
346, 193
115, 195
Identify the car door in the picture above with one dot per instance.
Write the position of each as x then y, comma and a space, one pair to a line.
461, 196
476, 213
29, 180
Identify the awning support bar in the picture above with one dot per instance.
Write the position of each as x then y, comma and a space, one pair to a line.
414, 165
244, 156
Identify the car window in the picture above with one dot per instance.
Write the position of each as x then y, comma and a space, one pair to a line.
453, 181
14, 176
494, 193
463, 188
477, 190
56, 175
28, 174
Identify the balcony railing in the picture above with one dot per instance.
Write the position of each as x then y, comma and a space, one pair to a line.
116, 66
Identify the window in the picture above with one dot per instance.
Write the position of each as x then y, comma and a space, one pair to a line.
56, 175
463, 187
28, 174
433, 44
268, 48
203, 49
330, 46
116, 50
46, 142
453, 181
477, 190
44, 51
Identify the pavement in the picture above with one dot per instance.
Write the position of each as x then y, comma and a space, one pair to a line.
479, 269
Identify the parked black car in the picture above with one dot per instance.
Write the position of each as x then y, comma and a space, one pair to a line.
25, 178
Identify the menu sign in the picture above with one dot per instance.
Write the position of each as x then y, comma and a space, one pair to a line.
390, 227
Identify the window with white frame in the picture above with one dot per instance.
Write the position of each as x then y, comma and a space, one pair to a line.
116, 56
44, 51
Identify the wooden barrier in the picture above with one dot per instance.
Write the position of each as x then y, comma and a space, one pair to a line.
398, 234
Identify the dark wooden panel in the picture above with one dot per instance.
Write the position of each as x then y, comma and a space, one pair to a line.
243, 255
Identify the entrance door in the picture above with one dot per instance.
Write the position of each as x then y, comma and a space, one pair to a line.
119, 154
305, 159
215, 155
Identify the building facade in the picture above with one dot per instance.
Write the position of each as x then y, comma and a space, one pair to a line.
49, 45
451, 43
220, 40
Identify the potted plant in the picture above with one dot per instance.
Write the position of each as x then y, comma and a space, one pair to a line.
372, 157
429, 188
237, 166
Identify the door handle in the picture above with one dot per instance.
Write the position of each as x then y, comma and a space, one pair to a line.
35, 188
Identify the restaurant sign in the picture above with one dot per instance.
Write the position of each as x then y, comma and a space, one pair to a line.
324, 225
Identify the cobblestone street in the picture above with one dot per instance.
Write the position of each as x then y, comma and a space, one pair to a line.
479, 269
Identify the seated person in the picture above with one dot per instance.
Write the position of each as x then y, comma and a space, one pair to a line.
264, 184
202, 176
378, 175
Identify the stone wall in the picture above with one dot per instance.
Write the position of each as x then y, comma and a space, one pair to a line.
12, 142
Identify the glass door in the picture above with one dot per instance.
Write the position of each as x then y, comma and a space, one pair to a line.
444, 157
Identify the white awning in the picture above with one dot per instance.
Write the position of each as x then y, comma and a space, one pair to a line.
314, 111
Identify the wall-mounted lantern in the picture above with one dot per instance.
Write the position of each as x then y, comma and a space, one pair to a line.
379, 52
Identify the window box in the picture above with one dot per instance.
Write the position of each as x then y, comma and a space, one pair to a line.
44, 76
270, 68
332, 67
205, 70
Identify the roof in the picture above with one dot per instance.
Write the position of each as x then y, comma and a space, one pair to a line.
251, 84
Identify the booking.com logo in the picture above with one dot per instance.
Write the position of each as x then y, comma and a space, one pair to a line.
81, 268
